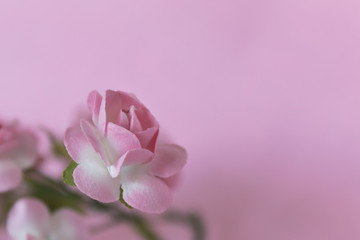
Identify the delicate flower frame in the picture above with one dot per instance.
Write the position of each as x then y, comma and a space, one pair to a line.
115, 161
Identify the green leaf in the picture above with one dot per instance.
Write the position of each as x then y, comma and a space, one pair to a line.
68, 173
122, 199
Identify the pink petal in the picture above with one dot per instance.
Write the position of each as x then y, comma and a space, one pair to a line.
75, 142
94, 102
121, 139
109, 109
8, 145
128, 100
8, 137
148, 138
146, 118
137, 156
169, 159
10, 175
123, 120
66, 224
144, 192
94, 138
132, 157
113, 102
93, 179
26, 152
28, 217
29, 237
135, 125
172, 181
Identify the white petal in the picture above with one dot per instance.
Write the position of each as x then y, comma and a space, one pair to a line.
28, 217
144, 192
169, 160
92, 177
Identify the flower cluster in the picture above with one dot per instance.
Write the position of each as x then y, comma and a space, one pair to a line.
115, 157
29, 219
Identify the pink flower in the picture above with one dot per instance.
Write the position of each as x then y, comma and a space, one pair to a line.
29, 219
115, 155
124, 110
18, 151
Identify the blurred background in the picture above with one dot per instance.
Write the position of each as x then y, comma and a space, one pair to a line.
263, 94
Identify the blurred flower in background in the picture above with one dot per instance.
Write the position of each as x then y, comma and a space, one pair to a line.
18, 151
29, 219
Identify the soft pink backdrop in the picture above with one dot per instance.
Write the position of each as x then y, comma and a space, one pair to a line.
263, 94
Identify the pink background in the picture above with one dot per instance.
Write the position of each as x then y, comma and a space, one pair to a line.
263, 94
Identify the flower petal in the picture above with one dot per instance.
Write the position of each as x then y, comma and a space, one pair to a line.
94, 102
6, 146
75, 142
29, 237
97, 142
121, 139
169, 159
113, 102
145, 117
28, 218
109, 109
148, 138
137, 156
8, 137
128, 100
132, 157
123, 120
25, 152
66, 224
92, 178
135, 125
172, 181
144, 192
10, 175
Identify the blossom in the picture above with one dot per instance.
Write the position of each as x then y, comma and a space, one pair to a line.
117, 155
29, 219
18, 151
125, 110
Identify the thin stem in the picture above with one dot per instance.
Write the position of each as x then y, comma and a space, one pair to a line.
191, 219
56, 184
144, 229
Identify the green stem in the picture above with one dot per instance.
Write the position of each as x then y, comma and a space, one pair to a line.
144, 229
191, 219
57, 185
